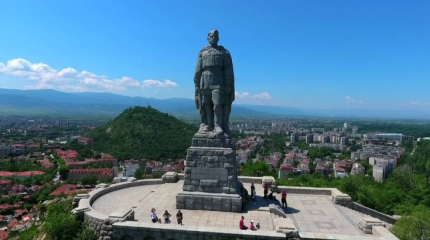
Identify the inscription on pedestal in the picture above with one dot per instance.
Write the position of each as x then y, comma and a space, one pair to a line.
202, 173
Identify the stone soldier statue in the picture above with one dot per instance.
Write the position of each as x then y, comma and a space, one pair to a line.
214, 86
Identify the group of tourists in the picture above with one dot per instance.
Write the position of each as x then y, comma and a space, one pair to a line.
269, 196
166, 216
179, 216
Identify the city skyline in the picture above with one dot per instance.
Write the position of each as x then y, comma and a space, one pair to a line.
305, 54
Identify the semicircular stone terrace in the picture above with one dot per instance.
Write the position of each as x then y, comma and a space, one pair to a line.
313, 215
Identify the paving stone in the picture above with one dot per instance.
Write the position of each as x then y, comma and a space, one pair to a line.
163, 197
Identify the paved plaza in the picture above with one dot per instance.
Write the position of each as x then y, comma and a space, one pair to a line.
312, 214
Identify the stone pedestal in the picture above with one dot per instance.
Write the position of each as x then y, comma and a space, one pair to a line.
210, 179
366, 224
170, 177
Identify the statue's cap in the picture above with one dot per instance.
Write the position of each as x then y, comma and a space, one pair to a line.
214, 32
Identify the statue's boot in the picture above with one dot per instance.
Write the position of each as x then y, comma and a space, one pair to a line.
203, 128
218, 119
218, 130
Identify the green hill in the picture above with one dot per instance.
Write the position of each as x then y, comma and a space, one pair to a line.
144, 132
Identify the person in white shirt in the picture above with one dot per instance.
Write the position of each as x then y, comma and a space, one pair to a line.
154, 217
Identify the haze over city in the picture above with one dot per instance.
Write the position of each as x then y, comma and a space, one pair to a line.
304, 54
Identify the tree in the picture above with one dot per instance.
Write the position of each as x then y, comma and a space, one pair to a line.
251, 168
89, 180
156, 175
42, 208
64, 173
86, 233
139, 174
59, 223
414, 226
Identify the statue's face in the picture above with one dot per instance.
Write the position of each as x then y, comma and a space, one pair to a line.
213, 38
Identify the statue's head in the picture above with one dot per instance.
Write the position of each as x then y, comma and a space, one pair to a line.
213, 37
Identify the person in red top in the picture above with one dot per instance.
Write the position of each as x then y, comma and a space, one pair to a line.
242, 224
284, 199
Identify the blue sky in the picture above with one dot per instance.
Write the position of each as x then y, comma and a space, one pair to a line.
307, 54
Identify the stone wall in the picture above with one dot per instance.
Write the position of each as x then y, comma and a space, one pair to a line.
305, 190
102, 223
373, 213
153, 231
383, 233
246, 179
103, 227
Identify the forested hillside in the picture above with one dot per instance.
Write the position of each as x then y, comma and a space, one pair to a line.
144, 132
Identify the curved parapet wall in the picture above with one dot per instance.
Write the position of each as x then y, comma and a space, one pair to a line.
100, 222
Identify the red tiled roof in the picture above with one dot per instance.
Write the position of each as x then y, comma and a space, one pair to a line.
20, 174
27, 174
319, 167
63, 188
5, 206
12, 223
105, 155
67, 189
4, 234
27, 217
5, 174
46, 163
286, 168
18, 145
341, 165
20, 212
100, 171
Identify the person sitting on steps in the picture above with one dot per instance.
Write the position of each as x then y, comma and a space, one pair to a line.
242, 224
251, 226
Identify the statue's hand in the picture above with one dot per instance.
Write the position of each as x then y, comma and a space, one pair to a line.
197, 103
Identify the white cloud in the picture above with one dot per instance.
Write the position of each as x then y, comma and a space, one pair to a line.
414, 103
70, 79
349, 99
263, 95
241, 95
155, 83
247, 95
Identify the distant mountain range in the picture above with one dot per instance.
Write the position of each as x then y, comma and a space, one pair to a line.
52, 102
